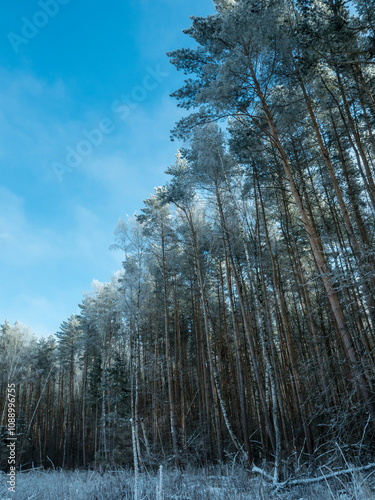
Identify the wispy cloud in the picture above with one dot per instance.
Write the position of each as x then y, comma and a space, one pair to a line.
55, 262
55, 93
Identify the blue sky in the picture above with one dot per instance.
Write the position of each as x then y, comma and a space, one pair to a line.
85, 116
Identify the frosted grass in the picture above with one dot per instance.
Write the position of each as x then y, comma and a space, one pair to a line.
227, 483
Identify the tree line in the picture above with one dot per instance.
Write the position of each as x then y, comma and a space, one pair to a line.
243, 319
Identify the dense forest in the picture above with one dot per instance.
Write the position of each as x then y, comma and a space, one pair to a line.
243, 320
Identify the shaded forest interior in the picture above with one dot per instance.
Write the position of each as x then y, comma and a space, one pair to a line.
243, 320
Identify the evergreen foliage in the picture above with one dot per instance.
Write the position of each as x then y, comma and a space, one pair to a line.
243, 320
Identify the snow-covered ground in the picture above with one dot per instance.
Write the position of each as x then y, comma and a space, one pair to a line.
226, 484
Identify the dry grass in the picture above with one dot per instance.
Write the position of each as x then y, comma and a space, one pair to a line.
228, 483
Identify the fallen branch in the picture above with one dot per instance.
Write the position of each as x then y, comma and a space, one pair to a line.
30, 470
295, 482
264, 474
